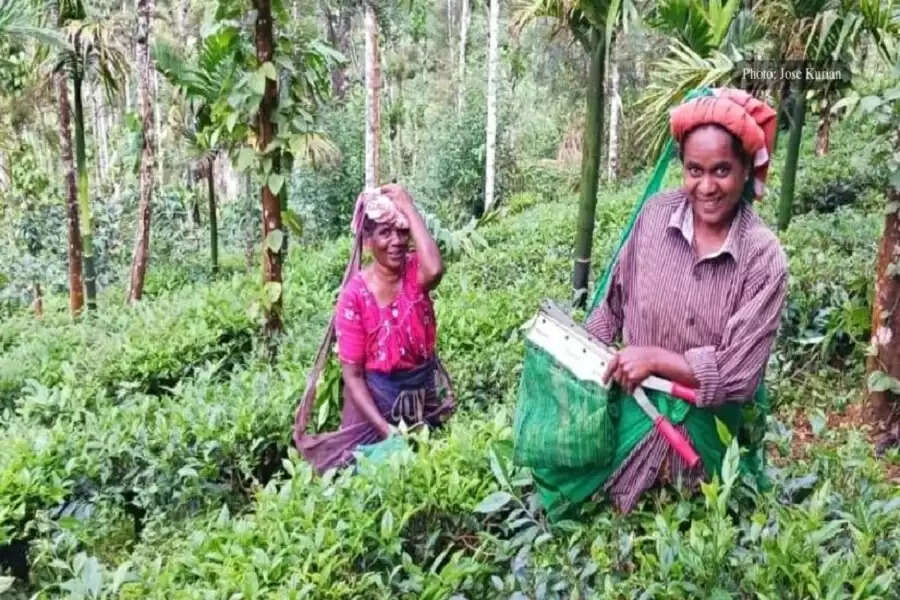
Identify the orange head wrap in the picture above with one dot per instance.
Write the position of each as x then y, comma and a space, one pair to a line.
752, 121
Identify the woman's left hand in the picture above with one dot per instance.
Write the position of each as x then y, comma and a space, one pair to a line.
632, 365
399, 196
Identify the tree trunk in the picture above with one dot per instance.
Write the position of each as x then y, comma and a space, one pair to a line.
213, 218
38, 303
84, 205
590, 165
823, 134
271, 206
881, 408
74, 248
373, 90
464, 20
789, 175
615, 108
338, 26
158, 128
142, 237
490, 167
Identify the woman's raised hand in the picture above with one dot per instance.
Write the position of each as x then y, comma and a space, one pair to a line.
399, 196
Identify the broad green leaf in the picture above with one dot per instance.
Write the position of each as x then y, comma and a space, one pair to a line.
322, 417
493, 503
879, 381
275, 181
272, 292
870, 103
231, 121
258, 82
6, 584
275, 240
268, 71
245, 158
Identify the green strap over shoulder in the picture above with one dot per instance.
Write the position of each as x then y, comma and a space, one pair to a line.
656, 181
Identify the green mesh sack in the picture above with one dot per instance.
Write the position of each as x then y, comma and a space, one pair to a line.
560, 420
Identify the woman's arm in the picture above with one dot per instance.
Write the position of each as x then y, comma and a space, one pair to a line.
431, 267
733, 368
354, 379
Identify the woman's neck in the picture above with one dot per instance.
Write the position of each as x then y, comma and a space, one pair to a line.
385, 274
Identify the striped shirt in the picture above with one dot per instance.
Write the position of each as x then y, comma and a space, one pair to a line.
721, 311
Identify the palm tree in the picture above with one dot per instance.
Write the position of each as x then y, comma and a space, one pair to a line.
591, 23
203, 83
96, 52
706, 42
142, 237
16, 18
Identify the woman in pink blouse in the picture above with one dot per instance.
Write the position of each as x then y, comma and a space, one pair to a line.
386, 329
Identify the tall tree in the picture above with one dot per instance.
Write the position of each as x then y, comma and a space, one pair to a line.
490, 167
373, 92
142, 236
592, 23
464, 20
615, 110
95, 51
271, 205
338, 22
73, 246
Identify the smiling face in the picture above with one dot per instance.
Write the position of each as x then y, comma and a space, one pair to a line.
715, 171
389, 245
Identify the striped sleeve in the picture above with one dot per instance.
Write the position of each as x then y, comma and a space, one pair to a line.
734, 368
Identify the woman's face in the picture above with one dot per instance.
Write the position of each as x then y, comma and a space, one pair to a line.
389, 245
714, 175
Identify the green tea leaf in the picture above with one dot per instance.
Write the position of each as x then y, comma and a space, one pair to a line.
493, 503
387, 524
723, 432
293, 221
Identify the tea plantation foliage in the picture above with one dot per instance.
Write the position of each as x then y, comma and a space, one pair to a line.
144, 452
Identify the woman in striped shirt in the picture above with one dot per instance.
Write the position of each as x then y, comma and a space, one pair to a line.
698, 289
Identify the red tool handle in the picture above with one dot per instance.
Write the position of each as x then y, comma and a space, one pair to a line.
688, 394
678, 441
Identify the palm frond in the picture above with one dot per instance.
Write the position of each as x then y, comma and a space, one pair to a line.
316, 149
674, 76
17, 20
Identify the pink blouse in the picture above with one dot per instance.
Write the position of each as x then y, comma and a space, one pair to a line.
397, 337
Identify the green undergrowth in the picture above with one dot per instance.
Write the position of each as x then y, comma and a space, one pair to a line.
152, 444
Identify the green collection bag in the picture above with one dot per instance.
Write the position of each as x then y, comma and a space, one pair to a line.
560, 421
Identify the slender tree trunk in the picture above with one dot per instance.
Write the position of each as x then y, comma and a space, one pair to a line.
84, 204
373, 101
789, 175
213, 217
615, 109
823, 134
38, 303
883, 408
464, 20
142, 238
590, 166
157, 125
338, 27
783, 98
271, 206
73, 247
490, 166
